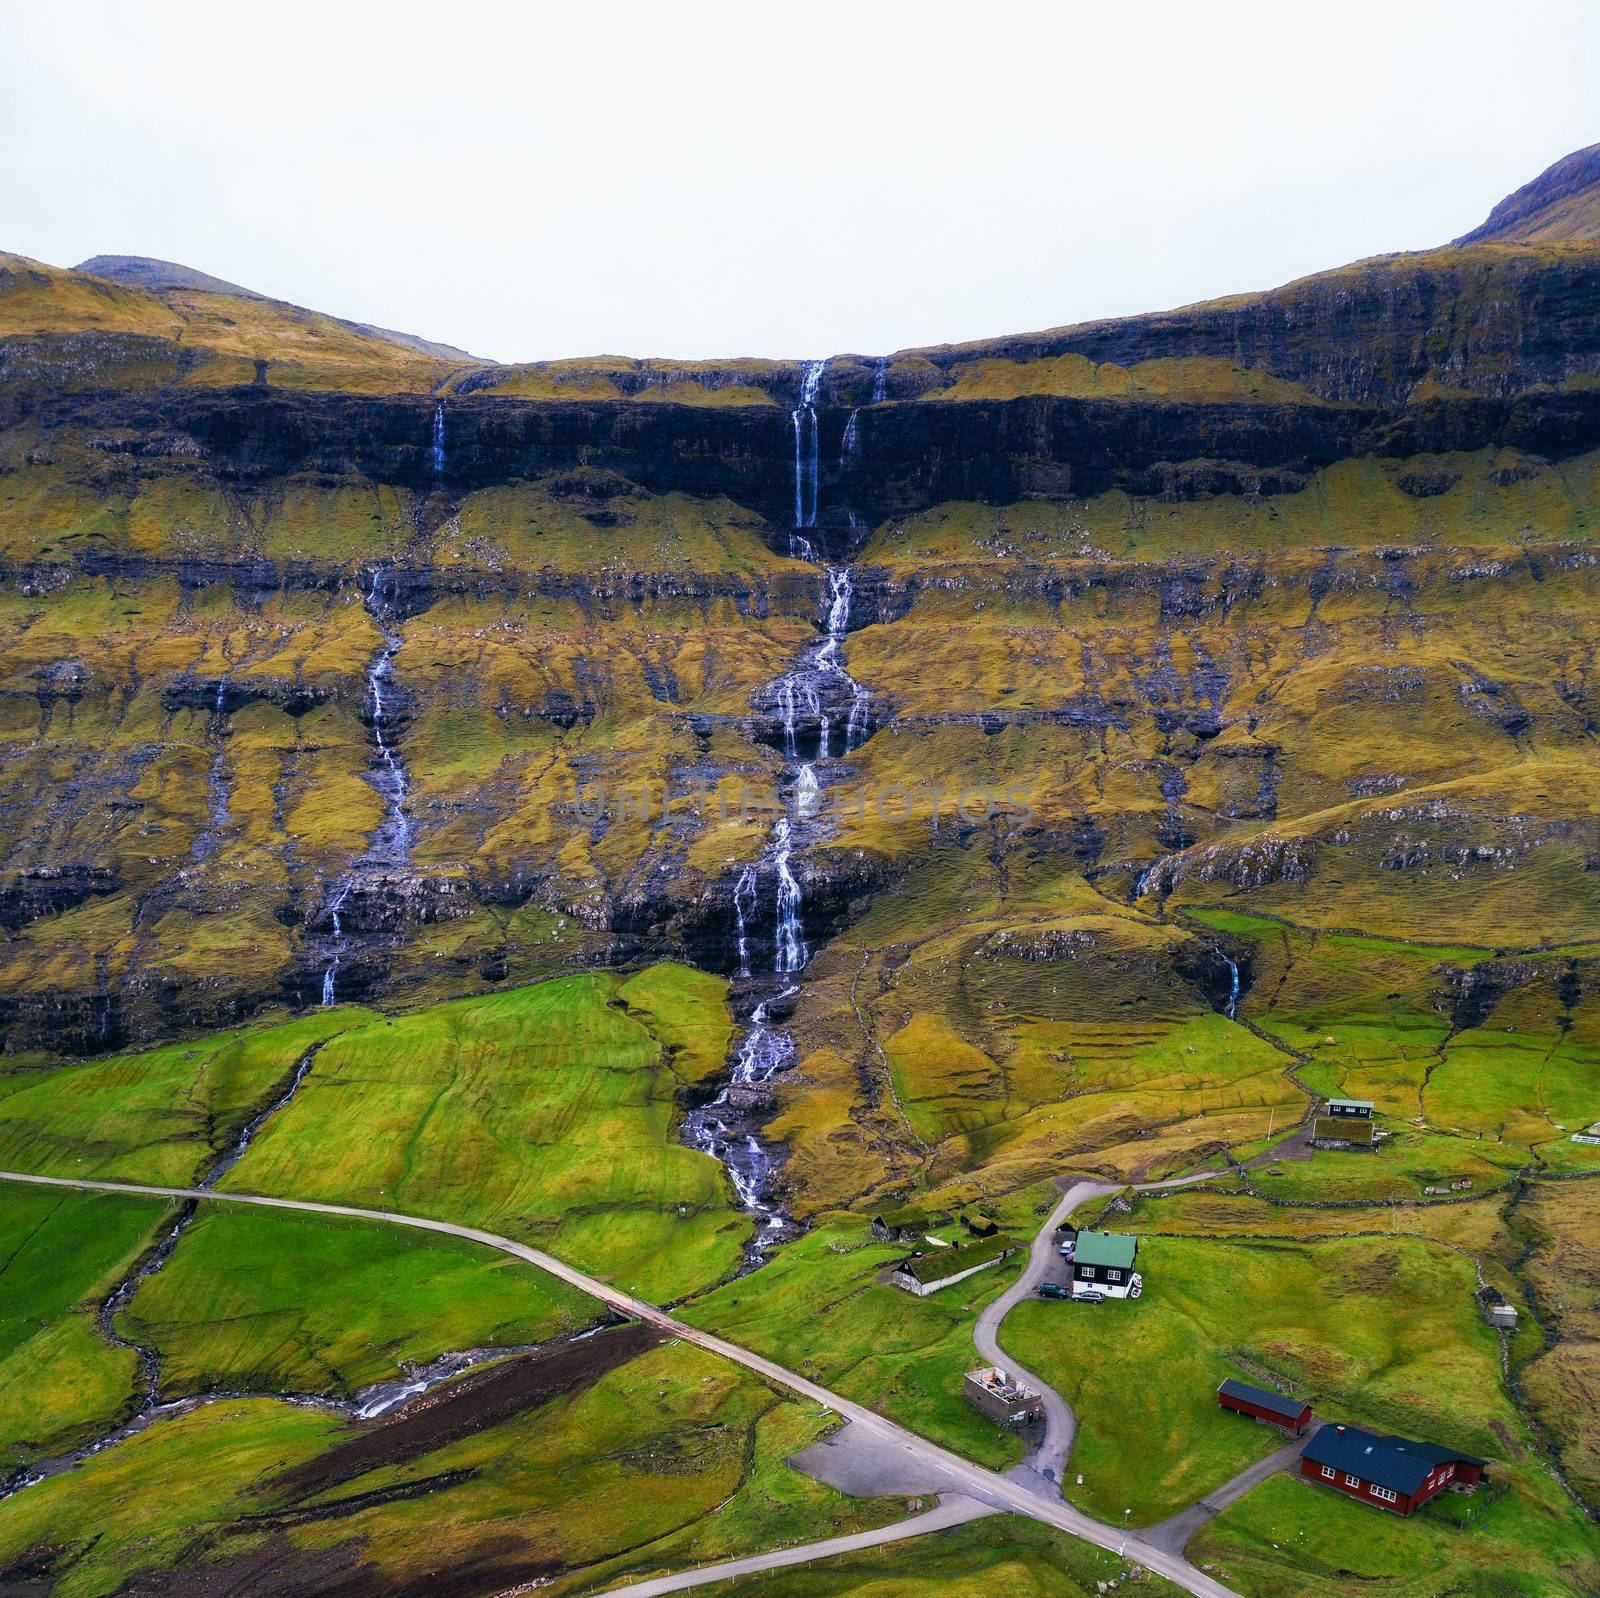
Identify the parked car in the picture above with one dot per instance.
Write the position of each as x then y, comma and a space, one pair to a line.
1067, 1250
1090, 1295
1054, 1290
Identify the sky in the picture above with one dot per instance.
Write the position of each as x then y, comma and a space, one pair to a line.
531, 181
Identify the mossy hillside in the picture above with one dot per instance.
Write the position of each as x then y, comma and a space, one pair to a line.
60, 1254
220, 336
1553, 1227
699, 1475
1490, 497
160, 1115
1201, 379
549, 1113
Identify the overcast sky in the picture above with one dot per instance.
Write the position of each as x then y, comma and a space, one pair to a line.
687, 179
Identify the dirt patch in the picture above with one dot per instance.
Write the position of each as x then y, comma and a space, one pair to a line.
475, 1403
278, 1569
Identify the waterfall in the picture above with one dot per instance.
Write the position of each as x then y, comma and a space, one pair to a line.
437, 452
335, 905
801, 548
1233, 984
393, 840
744, 898
804, 417
791, 943
805, 786
880, 381
850, 443
1142, 886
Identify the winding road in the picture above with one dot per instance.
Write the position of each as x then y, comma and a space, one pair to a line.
953, 1474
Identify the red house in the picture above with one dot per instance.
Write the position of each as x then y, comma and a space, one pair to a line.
1264, 1405
1392, 1472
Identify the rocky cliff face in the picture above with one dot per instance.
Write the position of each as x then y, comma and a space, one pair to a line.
438, 675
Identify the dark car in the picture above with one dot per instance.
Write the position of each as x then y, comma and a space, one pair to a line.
1053, 1290
1090, 1295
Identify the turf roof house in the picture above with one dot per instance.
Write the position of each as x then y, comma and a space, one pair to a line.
1394, 1473
926, 1273
1345, 1124
1103, 1261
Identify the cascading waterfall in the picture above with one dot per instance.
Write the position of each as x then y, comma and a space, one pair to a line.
727, 1127
1233, 984
330, 974
390, 846
744, 900
804, 417
851, 442
880, 381
436, 454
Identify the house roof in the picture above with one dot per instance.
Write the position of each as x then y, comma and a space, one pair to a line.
1397, 1463
1264, 1398
945, 1262
1350, 1104
1105, 1248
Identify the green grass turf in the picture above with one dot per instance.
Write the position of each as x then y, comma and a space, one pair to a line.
160, 1115
1377, 1330
1289, 1537
273, 1301
550, 1113
672, 1459
1000, 1557
60, 1254
817, 1308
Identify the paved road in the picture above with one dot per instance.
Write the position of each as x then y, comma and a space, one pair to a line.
1174, 1532
960, 1475
953, 1511
1049, 1455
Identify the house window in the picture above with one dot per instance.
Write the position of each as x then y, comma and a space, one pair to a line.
1384, 1493
1328, 1472
1448, 1472
1351, 1481
1113, 1276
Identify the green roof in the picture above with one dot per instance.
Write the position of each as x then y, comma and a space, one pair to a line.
1351, 1104
943, 1262
1104, 1248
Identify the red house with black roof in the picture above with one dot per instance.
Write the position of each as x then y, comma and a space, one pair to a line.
1264, 1405
1393, 1473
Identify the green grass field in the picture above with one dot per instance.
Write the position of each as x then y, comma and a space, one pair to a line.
671, 1459
1375, 1330
549, 1112
160, 1115
1001, 1557
818, 1309
60, 1254
273, 1301
1288, 1537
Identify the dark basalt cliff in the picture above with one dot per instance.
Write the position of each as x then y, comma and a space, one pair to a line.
900, 458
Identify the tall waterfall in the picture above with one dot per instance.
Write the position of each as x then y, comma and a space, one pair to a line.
880, 381
792, 952
437, 452
804, 417
390, 845
818, 692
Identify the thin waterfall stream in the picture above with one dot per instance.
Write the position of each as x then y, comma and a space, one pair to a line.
390, 845
823, 714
